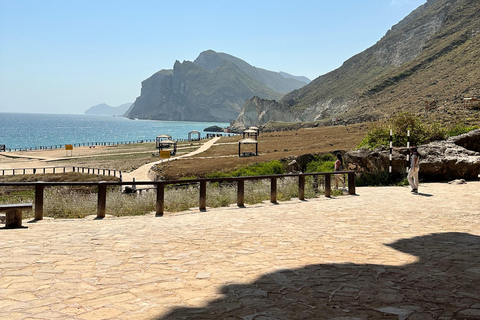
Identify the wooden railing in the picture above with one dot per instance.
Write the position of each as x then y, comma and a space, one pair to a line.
3, 147
81, 144
160, 189
103, 172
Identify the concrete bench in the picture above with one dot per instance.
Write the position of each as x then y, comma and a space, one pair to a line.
14, 214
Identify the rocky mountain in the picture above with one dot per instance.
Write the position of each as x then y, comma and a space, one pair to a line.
214, 87
299, 78
105, 109
431, 55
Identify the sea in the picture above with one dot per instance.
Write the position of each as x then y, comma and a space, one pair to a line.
28, 130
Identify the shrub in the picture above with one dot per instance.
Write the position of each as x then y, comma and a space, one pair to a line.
381, 178
420, 133
377, 135
258, 169
460, 129
323, 163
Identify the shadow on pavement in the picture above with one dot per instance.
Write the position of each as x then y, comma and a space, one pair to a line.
443, 284
428, 195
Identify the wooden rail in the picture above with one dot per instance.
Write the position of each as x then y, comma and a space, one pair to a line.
81, 144
104, 172
160, 188
3, 147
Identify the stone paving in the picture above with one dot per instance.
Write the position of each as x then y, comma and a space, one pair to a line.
381, 254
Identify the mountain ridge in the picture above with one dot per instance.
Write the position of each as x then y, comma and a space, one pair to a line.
438, 40
213, 87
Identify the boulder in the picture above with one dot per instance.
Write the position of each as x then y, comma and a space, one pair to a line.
213, 129
455, 158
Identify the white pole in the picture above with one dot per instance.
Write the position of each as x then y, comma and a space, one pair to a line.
408, 150
391, 147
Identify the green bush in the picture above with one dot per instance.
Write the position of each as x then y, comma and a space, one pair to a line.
323, 163
420, 133
460, 129
258, 169
381, 178
377, 135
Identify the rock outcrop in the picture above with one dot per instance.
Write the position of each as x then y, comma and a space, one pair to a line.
260, 110
455, 158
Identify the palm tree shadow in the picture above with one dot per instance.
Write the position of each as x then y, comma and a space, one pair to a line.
443, 283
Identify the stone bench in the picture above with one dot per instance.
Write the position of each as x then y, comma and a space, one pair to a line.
248, 154
14, 214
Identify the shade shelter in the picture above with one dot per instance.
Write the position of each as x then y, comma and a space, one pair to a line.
256, 129
194, 138
471, 102
161, 138
164, 144
249, 133
247, 141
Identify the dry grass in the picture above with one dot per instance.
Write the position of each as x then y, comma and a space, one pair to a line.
223, 156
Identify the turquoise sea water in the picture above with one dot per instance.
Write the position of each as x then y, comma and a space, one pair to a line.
25, 130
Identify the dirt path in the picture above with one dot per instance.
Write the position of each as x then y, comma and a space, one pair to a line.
141, 174
41, 159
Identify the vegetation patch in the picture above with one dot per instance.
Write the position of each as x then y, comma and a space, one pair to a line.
258, 169
420, 132
323, 163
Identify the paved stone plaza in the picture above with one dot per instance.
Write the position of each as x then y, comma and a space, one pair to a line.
381, 254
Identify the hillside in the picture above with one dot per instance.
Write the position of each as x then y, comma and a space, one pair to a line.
432, 54
212, 88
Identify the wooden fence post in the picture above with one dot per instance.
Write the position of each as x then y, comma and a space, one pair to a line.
160, 200
351, 183
273, 190
203, 196
39, 188
102, 199
328, 185
301, 187
241, 193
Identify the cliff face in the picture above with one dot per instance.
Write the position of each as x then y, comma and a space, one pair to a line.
432, 54
258, 110
212, 88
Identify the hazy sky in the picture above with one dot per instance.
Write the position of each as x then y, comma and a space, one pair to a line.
64, 56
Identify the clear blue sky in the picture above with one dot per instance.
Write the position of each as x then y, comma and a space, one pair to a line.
61, 56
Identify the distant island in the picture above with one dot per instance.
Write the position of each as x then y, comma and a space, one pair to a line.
105, 109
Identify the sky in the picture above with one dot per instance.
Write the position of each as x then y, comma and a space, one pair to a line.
64, 56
